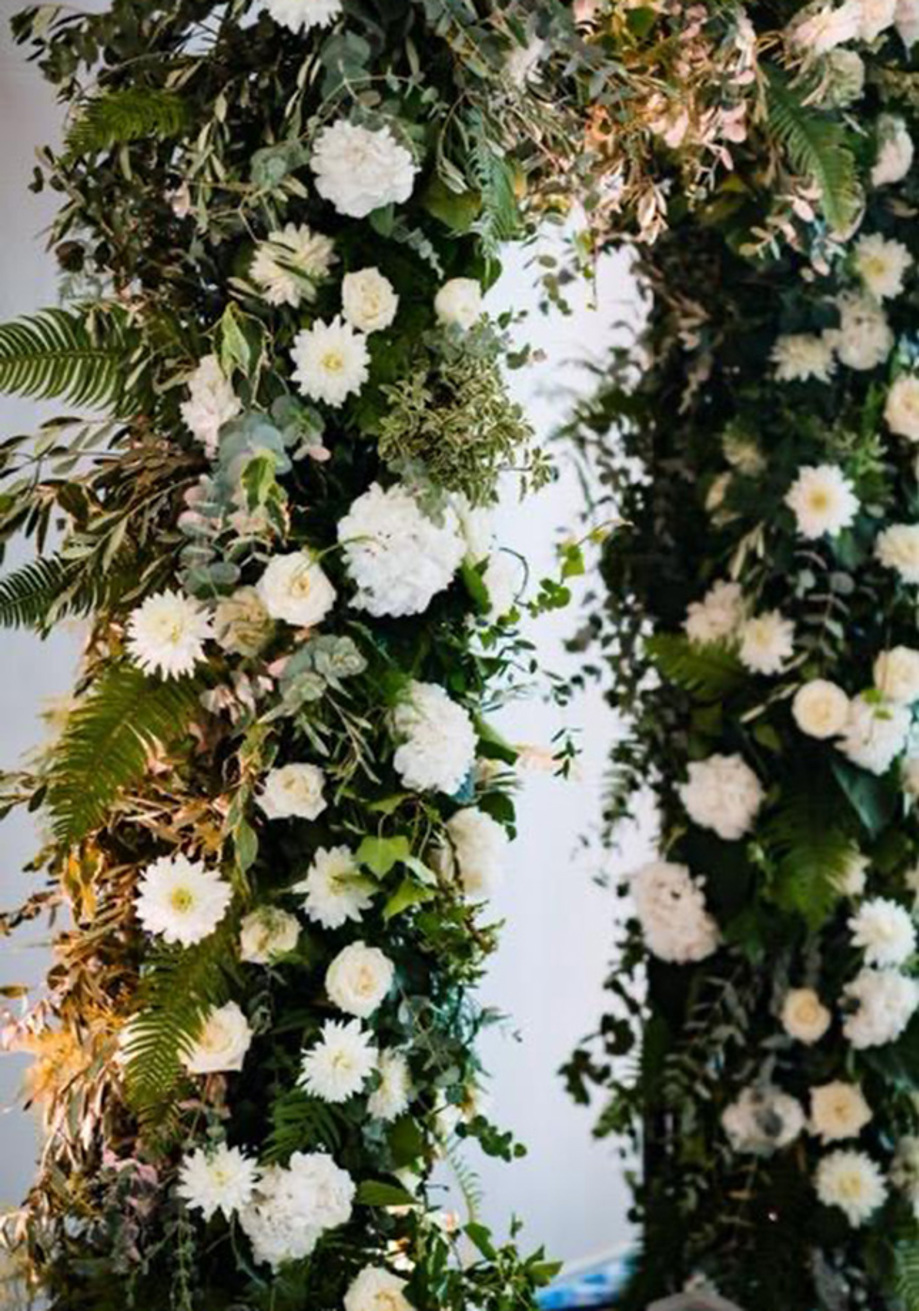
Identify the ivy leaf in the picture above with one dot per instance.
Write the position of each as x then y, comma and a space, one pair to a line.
377, 1193
381, 854
406, 895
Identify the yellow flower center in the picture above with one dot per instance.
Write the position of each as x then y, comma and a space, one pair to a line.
182, 899
333, 361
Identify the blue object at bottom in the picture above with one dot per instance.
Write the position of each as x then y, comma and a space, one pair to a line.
588, 1288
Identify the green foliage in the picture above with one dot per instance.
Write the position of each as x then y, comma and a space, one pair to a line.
906, 1274
817, 147
64, 354
30, 597
120, 117
301, 1123
810, 850
707, 672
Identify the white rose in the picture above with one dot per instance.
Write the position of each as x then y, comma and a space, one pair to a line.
222, 1044
480, 845
864, 338
267, 934
459, 303
897, 547
895, 151
296, 589
293, 792
376, 1289
804, 1015
901, 412
369, 300
358, 979
896, 674
359, 169
820, 709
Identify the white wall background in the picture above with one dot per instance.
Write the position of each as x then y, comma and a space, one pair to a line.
549, 971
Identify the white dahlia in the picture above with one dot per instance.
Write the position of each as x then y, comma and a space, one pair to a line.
820, 709
863, 339
717, 617
670, 906
881, 264
181, 899
799, 356
763, 1120
896, 674
804, 1016
360, 169
369, 300
838, 1111
722, 793
222, 1044
301, 15
853, 1182
295, 588
359, 979
334, 890
459, 303
875, 734
822, 500
340, 1063
289, 266
897, 547
879, 1004
220, 1179
392, 1096
895, 151
267, 934
294, 792
376, 1289
332, 361
884, 931
767, 642
166, 634
437, 740
901, 412
211, 403
479, 844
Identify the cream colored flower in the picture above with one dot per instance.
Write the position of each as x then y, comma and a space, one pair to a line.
822, 500
369, 300
181, 899
267, 934
331, 361
820, 709
222, 1044
340, 1063
767, 642
166, 634
359, 979
376, 1289
853, 1182
901, 412
838, 1111
294, 791
896, 674
804, 1015
296, 588
895, 151
881, 264
897, 547
242, 624
289, 266
459, 303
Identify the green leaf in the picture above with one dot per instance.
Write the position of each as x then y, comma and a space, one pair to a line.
872, 798
381, 854
58, 354
708, 672
376, 1193
811, 851
123, 116
34, 596
817, 147
407, 894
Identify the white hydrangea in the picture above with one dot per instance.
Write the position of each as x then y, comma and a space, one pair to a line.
884, 931
294, 1206
361, 169
295, 588
294, 791
821, 29
670, 905
222, 1044
288, 267
392, 1097
804, 1016
340, 1063
267, 934
369, 300
901, 412
822, 500
881, 264
332, 361
437, 740
799, 356
904, 1170
875, 16
211, 403
398, 556
820, 709
863, 339
896, 674
763, 1120
880, 1005
897, 548
376, 1289
479, 844
459, 303
717, 617
767, 642
722, 793
181, 899
895, 151
838, 1111
359, 979
875, 734
166, 634
853, 1182
334, 890
242, 624
301, 15
220, 1179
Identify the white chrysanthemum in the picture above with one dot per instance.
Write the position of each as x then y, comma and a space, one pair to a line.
301, 15
717, 617
479, 844
334, 890
822, 29
863, 339
242, 624
670, 906
881, 1005
821, 709
359, 979
293, 1207
459, 303
376, 1289
875, 16
884, 931
723, 794
895, 151
332, 361
267, 934
881, 264
295, 588
166, 634
394, 1094
901, 412
288, 267
222, 1179
906, 19
897, 547
222, 1044
822, 500
853, 1182
369, 300
340, 1063
896, 674
211, 403
359, 169
763, 1120
838, 1111
854, 877
294, 792
804, 1016
904, 1170
181, 899
799, 356
437, 740
767, 642
875, 734
398, 556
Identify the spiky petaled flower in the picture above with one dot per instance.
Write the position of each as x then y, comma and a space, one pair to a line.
331, 361
800, 356
884, 931
392, 1096
822, 500
334, 889
359, 169
221, 1179
717, 617
181, 899
289, 266
881, 264
340, 1063
767, 642
301, 15
879, 1004
853, 1182
166, 634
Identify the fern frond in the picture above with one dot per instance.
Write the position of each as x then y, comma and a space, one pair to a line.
28, 595
906, 1274
124, 116
55, 354
466, 1178
300, 1123
708, 672
810, 850
817, 148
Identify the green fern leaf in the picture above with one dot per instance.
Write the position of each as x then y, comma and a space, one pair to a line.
300, 1123
707, 672
817, 148
123, 116
906, 1274
29, 596
55, 354
810, 850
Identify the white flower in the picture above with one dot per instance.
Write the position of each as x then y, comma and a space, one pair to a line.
864, 339
480, 846
723, 794
670, 906
293, 792
762, 1121
222, 1044
875, 734
901, 411
881, 264
896, 674
767, 642
437, 737
838, 1111
242, 625
359, 979
822, 29
331, 361
799, 356
359, 170
853, 1182
717, 617
181, 899
166, 634
822, 500
398, 556
222, 1179
293, 1207
211, 403
906, 18
267, 934
301, 15
804, 1015
340, 1063
502, 583
394, 1094
295, 588
376, 1289
895, 151
289, 266
854, 877
897, 547
904, 1170
875, 17
459, 303
369, 300
884, 932
334, 889
820, 709
884, 1002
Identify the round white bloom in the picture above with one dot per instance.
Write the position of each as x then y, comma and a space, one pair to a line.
459, 303
670, 906
717, 617
723, 794
166, 634
301, 15
223, 1179
825, 28
853, 1182
295, 588
242, 624
289, 266
359, 170
901, 411
479, 844
211, 403
897, 547
884, 931
884, 1004
895, 151
762, 1121
437, 737
767, 642
875, 734
376, 1289
896, 674
904, 1170
394, 1094
822, 500
267, 934
799, 356
369, 300
181, 899
340, 1063
820, 709
804, 1016
222, 1044
502, 583
906, 18
398, 556
881, 264
853, 880
293, 1207
875, 16
359, 979
838, 1111
863, 339
334, 889
294, 792
332, 361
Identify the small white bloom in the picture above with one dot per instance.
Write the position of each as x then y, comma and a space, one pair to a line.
301, 15
717, 617
166, 634
671, 910
822, 500
882, 1002
267, 934
901, 411
289, 266
334, 889
875, 16
864, 338
838, 1111
359, 170
181, 899
820, 709
479, 844
896, 674
823, 29
294, 792
293, 1207
767, 642
895, 151
340, 1063
906, 18
881, 264
884, 931
376, 1289
875, 734
897, 547
295, 588
222, 1179
799, 356
211, 403
369, 300
359, 979
222, 1044
242, 625
502, 583
804, 1015
722, 793
437, 740
854, 878
762, 1121
853, 1182
394, 1094
332, 361
459, 303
